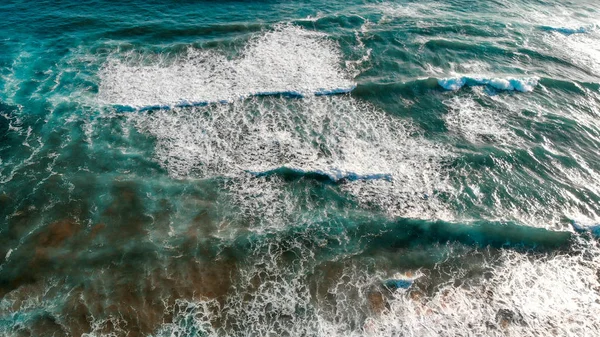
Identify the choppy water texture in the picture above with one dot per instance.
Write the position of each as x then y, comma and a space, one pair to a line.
320, 168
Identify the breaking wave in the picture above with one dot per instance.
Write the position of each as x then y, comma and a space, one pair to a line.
287, 60
332, 174
569, 30
505, 84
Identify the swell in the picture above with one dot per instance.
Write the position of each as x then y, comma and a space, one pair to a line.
187, 271
491, 51
163, 31
413, 233
59, 246
374, 236
421, 86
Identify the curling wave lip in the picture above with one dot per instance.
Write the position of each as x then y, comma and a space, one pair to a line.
333, 174
569, 30
526, 84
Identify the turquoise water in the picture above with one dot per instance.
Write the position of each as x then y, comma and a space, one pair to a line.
340, 168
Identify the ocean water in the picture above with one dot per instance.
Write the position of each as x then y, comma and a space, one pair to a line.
314, 168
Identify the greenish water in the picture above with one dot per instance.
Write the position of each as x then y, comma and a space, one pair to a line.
320, 168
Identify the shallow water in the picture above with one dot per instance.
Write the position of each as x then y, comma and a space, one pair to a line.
341, 168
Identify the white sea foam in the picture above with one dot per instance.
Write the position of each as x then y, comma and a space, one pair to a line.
477, 123
320, 134
564, 198
522, 296
512, 294
581, 49
286, 60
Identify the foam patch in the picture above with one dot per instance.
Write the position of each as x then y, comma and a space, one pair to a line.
521, 296
512, 294
287, 60
476, 123
338, 136
580, 49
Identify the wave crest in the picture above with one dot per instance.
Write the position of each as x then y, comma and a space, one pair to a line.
333, 174
525, 84
287, 60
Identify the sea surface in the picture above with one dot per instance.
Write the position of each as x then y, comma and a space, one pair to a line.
307, 168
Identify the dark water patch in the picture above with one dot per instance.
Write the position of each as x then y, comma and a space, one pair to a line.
54, 245
208, 32
411, 89
506, 317
369, 236
323, 275
56, 233
202, 226
43, 201
130, 283
60, 25
6, 117
377, 302
43, 253
408, 97
482, 234
407, 100
144, 301
127, 212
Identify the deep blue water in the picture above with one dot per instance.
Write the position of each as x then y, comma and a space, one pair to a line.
273, 168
